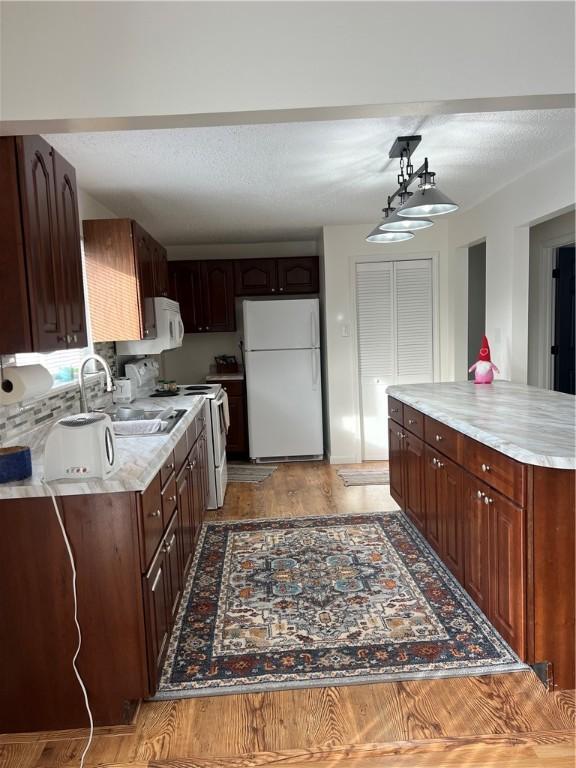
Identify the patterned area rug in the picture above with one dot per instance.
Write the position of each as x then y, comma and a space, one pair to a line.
249, 473
364, 476
274, 604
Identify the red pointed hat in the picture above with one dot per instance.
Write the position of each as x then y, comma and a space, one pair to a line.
484, 351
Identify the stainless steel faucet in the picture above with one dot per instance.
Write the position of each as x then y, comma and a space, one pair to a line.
107, 371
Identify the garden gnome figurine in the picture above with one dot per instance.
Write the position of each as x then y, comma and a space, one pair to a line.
483, 367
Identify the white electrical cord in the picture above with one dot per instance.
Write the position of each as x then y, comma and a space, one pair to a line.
76, 672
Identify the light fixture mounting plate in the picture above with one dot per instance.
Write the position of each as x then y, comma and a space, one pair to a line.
403, 143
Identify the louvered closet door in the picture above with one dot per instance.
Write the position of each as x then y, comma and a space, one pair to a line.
414, 321
395, 339
377, 352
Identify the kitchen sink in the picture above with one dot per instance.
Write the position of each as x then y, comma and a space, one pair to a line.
123, 414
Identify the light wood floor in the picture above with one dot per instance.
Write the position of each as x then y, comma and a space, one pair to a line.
500, 720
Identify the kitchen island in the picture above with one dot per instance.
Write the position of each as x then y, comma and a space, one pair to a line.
487, 474
133, 537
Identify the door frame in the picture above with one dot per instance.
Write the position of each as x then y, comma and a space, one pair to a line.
547, 302
434, 257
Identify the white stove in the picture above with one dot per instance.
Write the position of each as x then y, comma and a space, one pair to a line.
217, 423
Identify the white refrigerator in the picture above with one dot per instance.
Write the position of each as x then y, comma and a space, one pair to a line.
283, 378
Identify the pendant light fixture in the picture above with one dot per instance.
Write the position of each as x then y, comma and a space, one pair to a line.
427, 202
377, 236
415, 208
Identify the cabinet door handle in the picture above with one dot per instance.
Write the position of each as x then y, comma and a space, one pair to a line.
434, 461
75, 338
146, 332
488, 500
169, 466
485, 467
411, 421
171, 498
480, 494
273, 290
281, 289
393, 410
440, 464
439, 438
61, 339
155, 514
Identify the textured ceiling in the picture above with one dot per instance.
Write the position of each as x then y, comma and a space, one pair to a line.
255, 183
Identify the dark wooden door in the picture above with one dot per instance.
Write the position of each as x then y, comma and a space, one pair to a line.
414, 480
145, 264
236, 442
186, 289
255, 277
434, 521
173, 565
298, 275
449, 499
186, 518
396, 462
218, 295
43, 257
477, 560
70, 254
157, 601
508, 571
564, 321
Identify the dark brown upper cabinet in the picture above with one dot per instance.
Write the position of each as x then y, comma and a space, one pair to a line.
256, 277
298, 275
126, 268
40, 257
205, 292
268, 277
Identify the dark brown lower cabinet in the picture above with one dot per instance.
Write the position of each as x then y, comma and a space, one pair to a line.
237, 437
444, 521
132, 553
476, 543
396, 463
413, 450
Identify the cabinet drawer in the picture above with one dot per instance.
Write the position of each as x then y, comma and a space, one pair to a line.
169, 499
497, 470
167, 468
413, 420
443, 438
181, 452
395, 409
151, 519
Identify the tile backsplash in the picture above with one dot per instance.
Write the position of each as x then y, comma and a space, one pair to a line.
22, 417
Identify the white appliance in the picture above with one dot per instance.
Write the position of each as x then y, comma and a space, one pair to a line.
122, 392
283, 378
217, 422
80, 447
143, 376
169, 331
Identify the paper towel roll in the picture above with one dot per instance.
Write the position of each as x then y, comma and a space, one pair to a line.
24, 382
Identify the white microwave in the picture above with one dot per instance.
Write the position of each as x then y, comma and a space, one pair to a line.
169, 331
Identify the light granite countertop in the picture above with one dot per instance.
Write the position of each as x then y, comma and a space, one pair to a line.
139, 458
534, 426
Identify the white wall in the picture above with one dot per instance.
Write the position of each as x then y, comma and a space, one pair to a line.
191, 362
504, 221
90, 208
343, 247
544, 239
155, 58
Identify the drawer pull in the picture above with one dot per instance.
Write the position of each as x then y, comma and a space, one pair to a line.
434, 461
171, 498
155, 514
411, 421
488, 500
439, 438
440, 464
480, 494
393, 410
169, 466
485, 468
